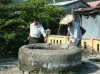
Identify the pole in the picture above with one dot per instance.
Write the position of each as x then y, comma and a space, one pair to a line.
54, 1
59, 29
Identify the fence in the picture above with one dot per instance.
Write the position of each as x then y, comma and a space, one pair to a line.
86, 43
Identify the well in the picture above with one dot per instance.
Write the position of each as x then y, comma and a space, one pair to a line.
47, 58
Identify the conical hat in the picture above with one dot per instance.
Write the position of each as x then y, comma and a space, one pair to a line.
67, 19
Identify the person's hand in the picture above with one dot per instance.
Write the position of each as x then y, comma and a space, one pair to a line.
68, 38
45, 39
73, 44
59, 34
70, 46
28, 38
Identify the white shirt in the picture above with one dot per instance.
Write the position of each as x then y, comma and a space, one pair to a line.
75, 31
36, 30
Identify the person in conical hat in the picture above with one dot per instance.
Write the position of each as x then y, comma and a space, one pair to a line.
73, 30
67, 19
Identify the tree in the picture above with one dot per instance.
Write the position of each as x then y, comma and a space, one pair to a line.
15, 20
5, 2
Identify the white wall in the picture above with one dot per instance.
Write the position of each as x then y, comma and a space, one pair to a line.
92, 26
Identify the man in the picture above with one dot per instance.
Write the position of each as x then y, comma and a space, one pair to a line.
75, 33
36, 30
73, 30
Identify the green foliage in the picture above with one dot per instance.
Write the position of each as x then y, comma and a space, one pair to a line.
15, 21
5, 2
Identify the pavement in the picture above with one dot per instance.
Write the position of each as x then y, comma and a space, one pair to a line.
8, 65
90, 64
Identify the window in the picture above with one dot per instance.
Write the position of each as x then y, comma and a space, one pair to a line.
57, 41
85, 45
60, 41
53, 41
97, 47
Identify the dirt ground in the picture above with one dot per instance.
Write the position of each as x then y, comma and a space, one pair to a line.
8, 65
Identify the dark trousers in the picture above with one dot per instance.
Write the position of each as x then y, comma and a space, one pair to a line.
34, 40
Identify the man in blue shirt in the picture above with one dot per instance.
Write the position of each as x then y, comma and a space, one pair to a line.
75, 34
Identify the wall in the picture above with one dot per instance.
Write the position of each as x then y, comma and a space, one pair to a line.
96, 45
87, 43
93, 44
91, 23
56, 39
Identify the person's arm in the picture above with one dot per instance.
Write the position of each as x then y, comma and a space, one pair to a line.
73, 44
29, 33
29, 37
44, 34
68, 34
75, 36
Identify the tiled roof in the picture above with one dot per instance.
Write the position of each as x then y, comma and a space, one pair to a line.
94, 3
88, 9
91, 8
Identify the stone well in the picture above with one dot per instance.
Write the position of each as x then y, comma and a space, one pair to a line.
47, 58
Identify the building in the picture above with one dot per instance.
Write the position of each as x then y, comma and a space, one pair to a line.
68, 5
94, 3
89, 18
71, 5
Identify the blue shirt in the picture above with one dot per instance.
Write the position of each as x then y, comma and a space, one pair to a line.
75, 31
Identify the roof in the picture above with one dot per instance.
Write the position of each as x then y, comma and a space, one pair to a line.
95, 8
52, 1
94, 3
89, 10
65, 2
